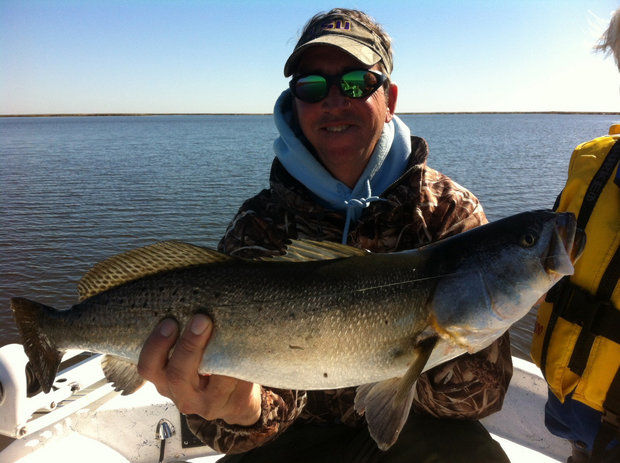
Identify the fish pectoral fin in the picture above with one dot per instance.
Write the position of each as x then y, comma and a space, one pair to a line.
386, 404
122, 373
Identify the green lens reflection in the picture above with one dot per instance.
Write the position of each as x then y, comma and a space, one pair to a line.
358, 84
311, 88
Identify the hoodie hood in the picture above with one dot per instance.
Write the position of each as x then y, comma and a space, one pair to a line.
387, 163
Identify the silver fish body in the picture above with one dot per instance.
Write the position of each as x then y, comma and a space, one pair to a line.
323, 316
303, 325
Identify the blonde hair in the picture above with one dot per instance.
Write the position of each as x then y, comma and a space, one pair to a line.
609, 43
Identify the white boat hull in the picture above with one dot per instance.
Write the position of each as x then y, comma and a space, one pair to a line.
97, 424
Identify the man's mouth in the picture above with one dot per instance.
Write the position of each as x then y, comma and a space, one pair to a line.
337, 128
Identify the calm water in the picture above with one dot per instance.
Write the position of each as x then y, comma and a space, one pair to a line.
78, 189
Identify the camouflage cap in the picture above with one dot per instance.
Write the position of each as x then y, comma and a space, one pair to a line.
345, 33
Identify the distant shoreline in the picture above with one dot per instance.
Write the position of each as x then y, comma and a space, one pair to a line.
269, 114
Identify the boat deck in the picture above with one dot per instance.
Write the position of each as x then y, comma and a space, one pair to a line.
100, 425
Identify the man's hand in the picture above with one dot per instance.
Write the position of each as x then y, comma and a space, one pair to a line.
210, 396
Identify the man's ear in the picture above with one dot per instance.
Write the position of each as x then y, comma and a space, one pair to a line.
392, 96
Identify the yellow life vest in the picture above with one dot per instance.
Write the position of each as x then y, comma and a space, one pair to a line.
576, 340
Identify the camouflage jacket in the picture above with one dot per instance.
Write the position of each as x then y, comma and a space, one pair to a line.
422, 206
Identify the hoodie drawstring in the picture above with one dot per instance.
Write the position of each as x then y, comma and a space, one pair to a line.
360, 203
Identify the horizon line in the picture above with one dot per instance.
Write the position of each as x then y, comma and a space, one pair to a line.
269, 114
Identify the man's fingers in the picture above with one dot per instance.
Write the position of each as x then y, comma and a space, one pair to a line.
176, 376
154, 354
187, 354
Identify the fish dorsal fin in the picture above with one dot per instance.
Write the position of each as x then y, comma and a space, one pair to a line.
140, 262
308, 250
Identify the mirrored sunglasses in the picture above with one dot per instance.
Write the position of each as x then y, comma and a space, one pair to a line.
359, 83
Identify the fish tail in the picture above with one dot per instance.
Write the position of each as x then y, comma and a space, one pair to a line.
43, 355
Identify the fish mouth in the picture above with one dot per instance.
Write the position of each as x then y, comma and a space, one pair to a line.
566, 245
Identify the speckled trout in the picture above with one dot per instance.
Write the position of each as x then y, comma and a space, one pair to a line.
321, 316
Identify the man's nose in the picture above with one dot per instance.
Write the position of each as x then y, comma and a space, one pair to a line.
335, 98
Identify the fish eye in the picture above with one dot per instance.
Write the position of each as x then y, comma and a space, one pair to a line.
529, 239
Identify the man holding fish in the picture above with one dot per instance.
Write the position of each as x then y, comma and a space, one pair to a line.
346, 169
286, 345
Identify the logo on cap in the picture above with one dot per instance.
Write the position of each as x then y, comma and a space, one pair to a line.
338, 25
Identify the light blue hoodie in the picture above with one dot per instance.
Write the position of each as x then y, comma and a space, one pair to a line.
387, 163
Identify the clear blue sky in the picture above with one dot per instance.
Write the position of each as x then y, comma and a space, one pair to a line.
91, 56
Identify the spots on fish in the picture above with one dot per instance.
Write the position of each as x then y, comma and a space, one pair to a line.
324, 375
290, 346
